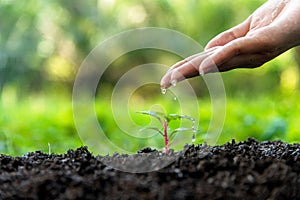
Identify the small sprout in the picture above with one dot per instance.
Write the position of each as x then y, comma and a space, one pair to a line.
164, 121
49, 148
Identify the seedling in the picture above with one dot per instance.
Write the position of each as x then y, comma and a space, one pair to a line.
164, 121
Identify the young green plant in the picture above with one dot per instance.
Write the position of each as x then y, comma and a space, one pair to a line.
164, 120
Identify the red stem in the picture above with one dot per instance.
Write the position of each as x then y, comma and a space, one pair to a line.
166, 136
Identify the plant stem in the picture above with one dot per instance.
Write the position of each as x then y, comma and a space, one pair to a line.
166, 136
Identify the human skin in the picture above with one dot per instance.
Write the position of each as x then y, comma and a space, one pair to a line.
271, 30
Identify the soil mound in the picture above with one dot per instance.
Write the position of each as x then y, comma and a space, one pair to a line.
244, 170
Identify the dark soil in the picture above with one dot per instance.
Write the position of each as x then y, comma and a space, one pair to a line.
245, 170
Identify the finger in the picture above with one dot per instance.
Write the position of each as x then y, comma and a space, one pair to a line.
184, 69
180, 63
188, 59
165, 80
230, 35
245, 61
173, 77
245, 45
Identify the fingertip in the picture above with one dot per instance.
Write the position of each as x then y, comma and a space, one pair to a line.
172, 76
165, 83
173, 82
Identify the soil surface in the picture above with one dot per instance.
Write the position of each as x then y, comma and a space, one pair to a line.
244, 170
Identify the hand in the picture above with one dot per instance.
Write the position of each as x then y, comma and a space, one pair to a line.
269, 31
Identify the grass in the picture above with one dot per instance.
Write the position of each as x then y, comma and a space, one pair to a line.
31, 124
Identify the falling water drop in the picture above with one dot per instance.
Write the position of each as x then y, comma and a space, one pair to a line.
194, 132
193, 138
163, 90
193, 126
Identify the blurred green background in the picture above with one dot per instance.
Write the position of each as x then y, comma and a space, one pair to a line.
43, 43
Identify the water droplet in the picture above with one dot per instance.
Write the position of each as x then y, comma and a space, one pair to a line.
194, 131
193, 138
173, 83
163, 90
193, 127
175, 98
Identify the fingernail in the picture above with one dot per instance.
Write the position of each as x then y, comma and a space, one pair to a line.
173, 82
201, 72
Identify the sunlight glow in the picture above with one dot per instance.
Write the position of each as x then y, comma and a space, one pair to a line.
289, 79
137, 14
105, 4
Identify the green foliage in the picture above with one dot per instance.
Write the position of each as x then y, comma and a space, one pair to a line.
164, 120
167, 117
30, 124
44, 42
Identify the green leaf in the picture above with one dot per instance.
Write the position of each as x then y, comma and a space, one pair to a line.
180, 130
158, 115
171, 117
152, 128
